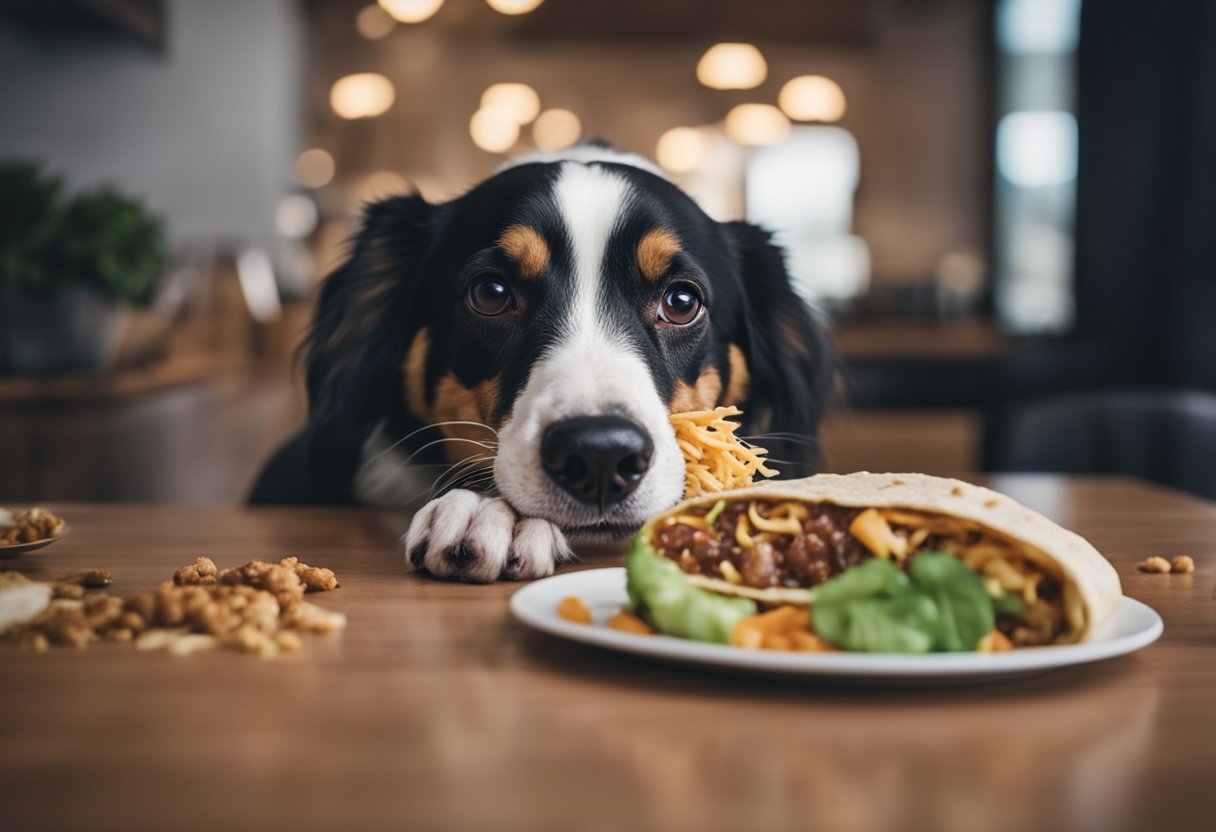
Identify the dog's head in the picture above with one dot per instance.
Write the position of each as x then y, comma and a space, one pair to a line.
569, 304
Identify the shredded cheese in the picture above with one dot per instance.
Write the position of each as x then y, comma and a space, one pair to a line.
872, 529
784, 525
714, 458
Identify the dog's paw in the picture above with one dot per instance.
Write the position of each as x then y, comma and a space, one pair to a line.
536, 547
469, 537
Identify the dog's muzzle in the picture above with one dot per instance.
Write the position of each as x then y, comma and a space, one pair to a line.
598, 460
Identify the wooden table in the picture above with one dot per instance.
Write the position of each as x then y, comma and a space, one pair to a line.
434, 710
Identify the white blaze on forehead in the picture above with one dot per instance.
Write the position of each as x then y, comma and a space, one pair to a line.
590, 369
591, 201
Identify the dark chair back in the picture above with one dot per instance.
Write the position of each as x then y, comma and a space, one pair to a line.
1167, 436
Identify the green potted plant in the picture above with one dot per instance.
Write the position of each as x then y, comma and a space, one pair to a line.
67, 267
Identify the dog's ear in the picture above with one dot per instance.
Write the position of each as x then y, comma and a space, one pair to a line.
790, 361
364, 320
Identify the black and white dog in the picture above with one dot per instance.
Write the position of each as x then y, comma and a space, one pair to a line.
528, 341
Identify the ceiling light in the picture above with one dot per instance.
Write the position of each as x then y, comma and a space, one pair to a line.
812, 98
411, 11
518, 99
362, 95
514, 6
683, 149
314, 168
556, 129
494, 130
757, 124
732, 66
373, 22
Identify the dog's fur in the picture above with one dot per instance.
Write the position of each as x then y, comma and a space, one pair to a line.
405, 379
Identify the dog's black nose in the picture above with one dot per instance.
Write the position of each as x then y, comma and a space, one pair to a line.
598, 460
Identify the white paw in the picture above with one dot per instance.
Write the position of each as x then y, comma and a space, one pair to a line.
536, 547
468, 537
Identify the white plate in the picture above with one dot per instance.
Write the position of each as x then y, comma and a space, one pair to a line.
1134, 625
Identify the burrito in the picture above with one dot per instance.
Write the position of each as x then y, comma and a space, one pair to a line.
904, 563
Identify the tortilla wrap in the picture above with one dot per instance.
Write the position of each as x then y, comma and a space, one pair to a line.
1087, 575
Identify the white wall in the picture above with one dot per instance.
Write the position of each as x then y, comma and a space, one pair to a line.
205, 132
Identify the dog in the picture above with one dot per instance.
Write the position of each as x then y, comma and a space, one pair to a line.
527, 341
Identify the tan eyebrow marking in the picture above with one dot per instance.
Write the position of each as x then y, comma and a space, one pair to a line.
736, 391
655, 252
701, 396
527, 248
415, 375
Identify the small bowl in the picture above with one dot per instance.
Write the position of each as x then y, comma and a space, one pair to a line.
15, 549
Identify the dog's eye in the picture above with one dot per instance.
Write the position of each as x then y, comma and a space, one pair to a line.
490, 296
681, 305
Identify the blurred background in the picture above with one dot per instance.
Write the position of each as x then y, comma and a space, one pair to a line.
1006, 207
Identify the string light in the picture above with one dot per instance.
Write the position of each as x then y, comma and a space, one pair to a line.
812, 98
373, 22
732, 66
757, 124
411, 11
513, 7
518, 99
683, 149
556, 129
314, 168
362, 95
494, 130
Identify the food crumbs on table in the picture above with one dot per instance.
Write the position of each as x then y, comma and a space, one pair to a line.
1155, 564
256, 608
95, 578
1183, 564
627, 622
573, 609
200, 573
67, 590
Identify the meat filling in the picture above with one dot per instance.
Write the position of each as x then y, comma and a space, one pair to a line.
760, 558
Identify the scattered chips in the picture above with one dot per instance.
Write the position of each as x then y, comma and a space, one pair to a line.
573, 609
627, 622
784, 628
1181, 564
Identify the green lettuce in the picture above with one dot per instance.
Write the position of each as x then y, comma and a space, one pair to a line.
965, 612
939, 605
659, 591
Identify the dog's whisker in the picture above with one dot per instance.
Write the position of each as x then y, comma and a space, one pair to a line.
488, 447
434, 426
464, 468
782, 436
472, 483
406, 463
431, 491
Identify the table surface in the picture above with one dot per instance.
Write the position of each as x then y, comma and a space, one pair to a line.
435, 710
